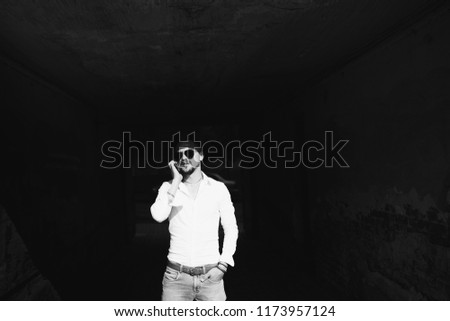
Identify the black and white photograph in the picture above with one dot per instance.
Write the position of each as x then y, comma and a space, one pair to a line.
225, 150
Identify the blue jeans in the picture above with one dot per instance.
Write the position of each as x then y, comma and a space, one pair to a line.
179, 286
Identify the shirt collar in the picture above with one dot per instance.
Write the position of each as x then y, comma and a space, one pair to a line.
206, 179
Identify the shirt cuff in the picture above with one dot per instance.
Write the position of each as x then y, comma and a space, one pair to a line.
227, 259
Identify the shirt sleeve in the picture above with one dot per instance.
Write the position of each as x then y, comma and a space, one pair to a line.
162, 206
229, 225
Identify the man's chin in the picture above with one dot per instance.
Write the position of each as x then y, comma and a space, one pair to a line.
187, 170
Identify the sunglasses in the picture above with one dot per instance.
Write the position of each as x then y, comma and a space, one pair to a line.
189, 153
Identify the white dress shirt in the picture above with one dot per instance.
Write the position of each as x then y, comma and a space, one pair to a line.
194, 223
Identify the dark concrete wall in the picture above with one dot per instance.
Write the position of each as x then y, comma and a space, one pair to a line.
19, 278
381, 227
51, 185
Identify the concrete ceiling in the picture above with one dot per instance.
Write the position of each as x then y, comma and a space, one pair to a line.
154, 55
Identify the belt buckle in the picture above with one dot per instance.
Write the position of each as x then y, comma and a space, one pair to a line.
194, 271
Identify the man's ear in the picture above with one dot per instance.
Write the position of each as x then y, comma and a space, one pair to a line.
201, 156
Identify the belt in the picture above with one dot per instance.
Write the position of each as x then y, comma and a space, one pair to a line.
198, 270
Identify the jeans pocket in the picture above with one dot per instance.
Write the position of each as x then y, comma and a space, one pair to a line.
171, 274
210, 280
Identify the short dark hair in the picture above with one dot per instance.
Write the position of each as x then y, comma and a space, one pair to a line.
189, 144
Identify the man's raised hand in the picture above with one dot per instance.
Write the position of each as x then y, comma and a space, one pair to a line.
175, 173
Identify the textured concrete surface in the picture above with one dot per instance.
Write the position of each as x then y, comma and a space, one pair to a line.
19, 278
381, 227
136, 54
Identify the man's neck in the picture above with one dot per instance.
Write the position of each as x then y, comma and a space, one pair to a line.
195, 177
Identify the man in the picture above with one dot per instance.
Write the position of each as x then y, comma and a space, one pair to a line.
194, 204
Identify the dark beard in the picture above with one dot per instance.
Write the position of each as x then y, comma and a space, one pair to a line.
188, 173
